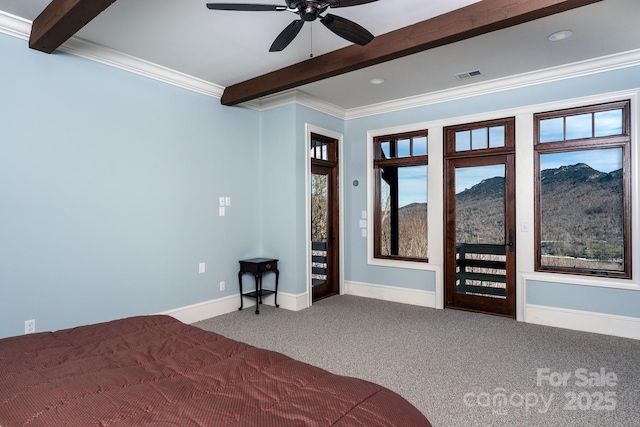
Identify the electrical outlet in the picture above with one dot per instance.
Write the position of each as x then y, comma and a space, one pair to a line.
222, 285
29, 326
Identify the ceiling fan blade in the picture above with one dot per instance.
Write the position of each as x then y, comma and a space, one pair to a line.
286, 36
347, 3
246, 7
346, 29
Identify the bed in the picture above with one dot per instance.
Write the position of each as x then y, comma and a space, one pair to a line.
157, 371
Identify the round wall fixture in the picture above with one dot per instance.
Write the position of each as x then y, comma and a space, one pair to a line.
355, 183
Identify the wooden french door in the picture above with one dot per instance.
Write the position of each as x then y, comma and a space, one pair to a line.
324, 218
480, 226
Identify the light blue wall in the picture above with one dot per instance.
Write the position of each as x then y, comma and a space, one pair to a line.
604, 300
109, 187
284, 155
621, 302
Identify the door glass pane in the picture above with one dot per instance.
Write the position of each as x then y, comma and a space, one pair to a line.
581, 210
319, 228
479, 139
579, 126
480, 231
319, 150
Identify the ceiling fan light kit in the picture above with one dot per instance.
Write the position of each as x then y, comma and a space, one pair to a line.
307, 10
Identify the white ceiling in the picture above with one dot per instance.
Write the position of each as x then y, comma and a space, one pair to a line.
228, 47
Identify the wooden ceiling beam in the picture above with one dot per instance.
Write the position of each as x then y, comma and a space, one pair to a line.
470, 21
61, 19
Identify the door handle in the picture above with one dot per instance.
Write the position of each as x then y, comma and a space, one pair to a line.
511, 240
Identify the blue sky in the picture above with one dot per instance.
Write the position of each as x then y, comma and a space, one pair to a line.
606, 161
413, 185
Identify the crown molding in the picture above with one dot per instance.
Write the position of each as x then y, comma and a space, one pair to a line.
548, 75
21, 28
295, 96
532, 78
88, 50
14, 26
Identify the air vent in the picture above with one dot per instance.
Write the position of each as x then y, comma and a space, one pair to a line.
468, 75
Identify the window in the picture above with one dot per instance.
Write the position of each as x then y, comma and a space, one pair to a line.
481, 138
400, 208
583, 205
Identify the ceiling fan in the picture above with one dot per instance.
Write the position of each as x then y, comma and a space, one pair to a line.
308, 10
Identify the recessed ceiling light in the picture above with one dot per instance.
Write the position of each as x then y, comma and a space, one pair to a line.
377, 81
560, 35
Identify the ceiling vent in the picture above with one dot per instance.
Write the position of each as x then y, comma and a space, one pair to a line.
468, 75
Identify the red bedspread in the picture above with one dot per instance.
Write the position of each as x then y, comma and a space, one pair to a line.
155, 370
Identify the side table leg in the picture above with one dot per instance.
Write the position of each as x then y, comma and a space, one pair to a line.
258, 292
275, 295
240, 281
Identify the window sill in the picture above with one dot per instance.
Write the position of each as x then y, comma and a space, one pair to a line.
412, 265
601, 282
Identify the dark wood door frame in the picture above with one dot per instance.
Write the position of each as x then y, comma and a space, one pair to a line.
504, 307
330, 168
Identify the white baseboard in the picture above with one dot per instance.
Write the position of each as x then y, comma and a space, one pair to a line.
587, 321
391, 293
205, 310
212, 308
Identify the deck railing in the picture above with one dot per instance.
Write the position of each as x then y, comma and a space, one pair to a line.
481, 269
318, 263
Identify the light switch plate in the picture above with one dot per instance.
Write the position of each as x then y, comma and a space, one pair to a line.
221, 201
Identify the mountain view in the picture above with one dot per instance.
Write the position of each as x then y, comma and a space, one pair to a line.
581, 219
582, 215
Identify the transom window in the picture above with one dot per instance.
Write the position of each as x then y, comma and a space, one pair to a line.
323, 148
400, 211
578, 126
481, 138
467, 139
583, 201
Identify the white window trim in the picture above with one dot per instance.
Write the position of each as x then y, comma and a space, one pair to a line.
434, 212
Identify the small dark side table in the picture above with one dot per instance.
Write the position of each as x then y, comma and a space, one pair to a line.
258, 266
